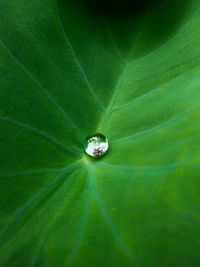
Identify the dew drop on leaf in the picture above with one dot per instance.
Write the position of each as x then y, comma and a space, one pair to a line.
96, 145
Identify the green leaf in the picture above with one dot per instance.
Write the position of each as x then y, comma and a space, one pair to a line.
67, 72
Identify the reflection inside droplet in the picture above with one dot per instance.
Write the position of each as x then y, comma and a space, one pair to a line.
96, 145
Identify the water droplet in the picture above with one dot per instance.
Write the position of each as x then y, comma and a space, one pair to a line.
96, 145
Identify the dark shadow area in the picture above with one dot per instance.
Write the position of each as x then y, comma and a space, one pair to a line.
163, 19
167, 16
117, 9
127, 9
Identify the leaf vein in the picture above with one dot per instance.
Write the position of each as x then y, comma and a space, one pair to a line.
155, 89
29, 172
92, 178
156, 127
44, 90
76, 59
40, 133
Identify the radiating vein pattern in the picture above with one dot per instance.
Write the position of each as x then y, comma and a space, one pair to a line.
66, 74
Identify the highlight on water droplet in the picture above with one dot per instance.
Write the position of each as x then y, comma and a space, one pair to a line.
96, 145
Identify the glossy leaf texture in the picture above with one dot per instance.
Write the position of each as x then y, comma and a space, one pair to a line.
66, 73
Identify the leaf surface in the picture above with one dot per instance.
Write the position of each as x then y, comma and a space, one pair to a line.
65, 74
